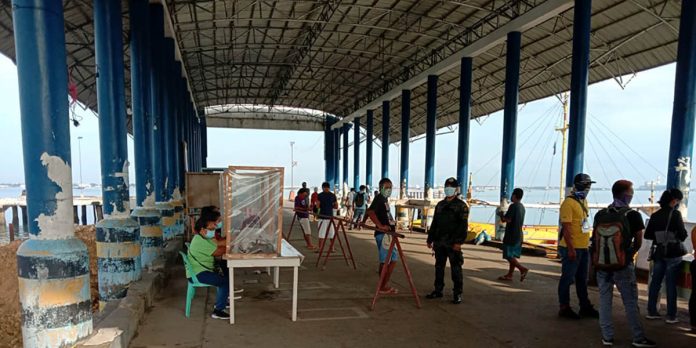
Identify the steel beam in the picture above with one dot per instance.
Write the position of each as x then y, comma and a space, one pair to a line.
473, 45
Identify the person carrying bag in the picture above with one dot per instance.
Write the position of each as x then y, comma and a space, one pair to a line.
667, 231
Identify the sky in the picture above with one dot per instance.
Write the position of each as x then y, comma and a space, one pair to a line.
627, 136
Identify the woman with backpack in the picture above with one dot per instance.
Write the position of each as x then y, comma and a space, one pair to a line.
667, 232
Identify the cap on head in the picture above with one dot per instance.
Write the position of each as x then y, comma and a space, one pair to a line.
582, 181
451, 182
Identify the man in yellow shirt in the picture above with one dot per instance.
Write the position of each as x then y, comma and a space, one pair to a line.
573, 249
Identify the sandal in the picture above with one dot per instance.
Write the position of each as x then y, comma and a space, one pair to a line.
523, 275
505, 278
390, 291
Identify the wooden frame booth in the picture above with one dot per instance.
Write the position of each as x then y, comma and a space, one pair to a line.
253, 211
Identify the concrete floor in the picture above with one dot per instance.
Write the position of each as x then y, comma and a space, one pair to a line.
334, 308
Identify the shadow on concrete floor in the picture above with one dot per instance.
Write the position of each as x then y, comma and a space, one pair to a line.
334, 308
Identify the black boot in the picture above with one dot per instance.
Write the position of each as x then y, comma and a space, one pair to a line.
457, 299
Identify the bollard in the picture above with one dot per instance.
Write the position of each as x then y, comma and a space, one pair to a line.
167, 220
148, 219
15, 218
83, 209
76, 217
25, 223
118, 256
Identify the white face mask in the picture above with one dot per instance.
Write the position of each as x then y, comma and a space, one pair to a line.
386, 192
450, 191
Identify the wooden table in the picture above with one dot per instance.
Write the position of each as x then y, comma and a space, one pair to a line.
289, 257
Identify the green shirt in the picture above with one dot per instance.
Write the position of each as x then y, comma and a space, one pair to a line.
200, 255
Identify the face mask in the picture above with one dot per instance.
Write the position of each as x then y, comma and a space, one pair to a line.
362, 191
450, 191
219, 225
581, 194
386, 192
209, 234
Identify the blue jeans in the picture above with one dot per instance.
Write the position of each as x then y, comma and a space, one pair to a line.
667, 269
222, 283
625, 281
574, 271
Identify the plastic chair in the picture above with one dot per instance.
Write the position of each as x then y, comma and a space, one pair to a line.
192, 285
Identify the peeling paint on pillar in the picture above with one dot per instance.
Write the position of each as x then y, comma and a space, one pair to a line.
52, 265
167, 219
54, 226
148, 218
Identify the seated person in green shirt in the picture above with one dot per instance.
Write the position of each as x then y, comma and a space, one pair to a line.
201, 254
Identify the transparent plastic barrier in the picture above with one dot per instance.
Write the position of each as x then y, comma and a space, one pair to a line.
253, 210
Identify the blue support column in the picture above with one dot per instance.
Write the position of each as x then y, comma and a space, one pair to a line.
118, 236
151, 234
465, 81
204, 142
157, 87
512, 85
356, 154
176, 125
175, 168
681, 145
140, 98
577, 116
336, 158
328, 151
189, 138
52, 260
369, 141
182, 135
405, 140
431, 127
147, 217
167, 150
344, 132
385, 138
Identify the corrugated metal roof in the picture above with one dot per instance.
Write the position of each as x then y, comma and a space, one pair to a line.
328, 55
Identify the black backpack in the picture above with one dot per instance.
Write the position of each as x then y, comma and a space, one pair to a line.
359, 199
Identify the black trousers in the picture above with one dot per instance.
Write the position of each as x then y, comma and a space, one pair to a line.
456, 259
692, 299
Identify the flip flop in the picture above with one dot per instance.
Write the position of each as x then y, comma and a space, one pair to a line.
505, 278
523, 275
390, 291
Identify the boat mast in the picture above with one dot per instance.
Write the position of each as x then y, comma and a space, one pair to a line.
564, 132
